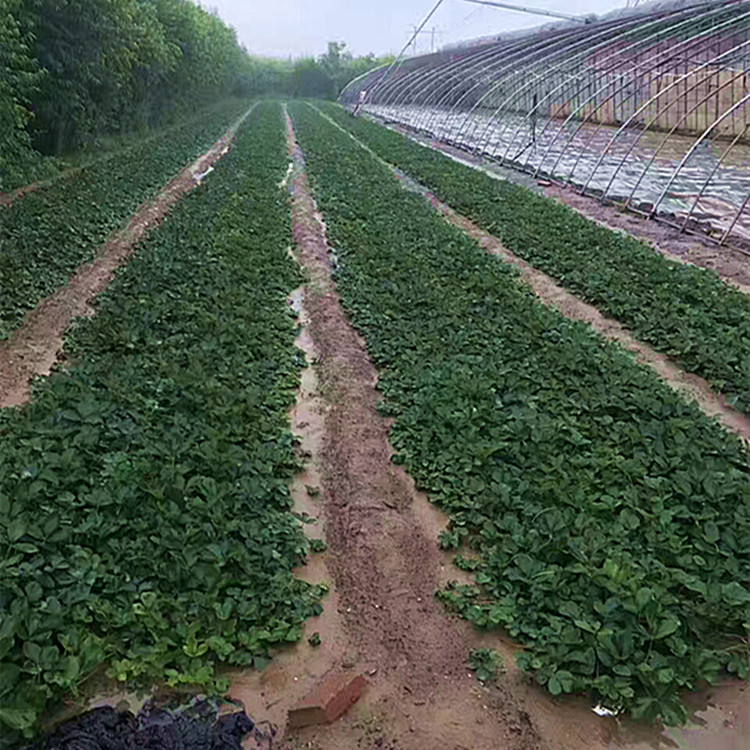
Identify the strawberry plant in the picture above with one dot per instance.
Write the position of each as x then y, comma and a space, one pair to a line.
606, 520
145, 516
485, 663
46, 235
686, 312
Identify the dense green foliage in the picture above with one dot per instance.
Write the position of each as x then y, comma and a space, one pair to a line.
72, 71
19, 78
321, 77
324, 77
50, 232
606, 520
114, 65
683, 311
145, 516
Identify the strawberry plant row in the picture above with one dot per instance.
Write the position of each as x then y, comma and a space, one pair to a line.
46, 235
145, 516
606, 520
684, 311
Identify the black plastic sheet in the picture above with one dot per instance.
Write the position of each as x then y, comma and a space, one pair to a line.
196, 726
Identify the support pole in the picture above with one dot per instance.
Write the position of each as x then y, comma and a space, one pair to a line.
371, 93
524, 9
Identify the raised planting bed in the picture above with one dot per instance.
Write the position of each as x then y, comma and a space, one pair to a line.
48, 233
686, 312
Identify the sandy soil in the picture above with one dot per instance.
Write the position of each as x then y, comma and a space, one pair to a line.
35, 347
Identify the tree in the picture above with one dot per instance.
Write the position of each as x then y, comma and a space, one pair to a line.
20, 78
73, 71
309, 79
336, 62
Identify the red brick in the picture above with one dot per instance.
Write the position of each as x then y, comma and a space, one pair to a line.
327, 701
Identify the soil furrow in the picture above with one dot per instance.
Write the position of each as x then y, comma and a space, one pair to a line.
34, 348
270, 693
7, 199
383, 553
692, 386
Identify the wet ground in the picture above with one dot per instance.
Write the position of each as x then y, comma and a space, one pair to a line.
383, 564
625, 166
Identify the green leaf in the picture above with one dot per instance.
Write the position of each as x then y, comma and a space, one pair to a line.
71, 669
34, 591
643, 597
666, 627
711, 532
18, 718
735, 594
16, 529
32, 651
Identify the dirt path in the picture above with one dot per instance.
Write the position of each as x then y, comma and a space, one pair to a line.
385, 564
7, 199
692, 386
34, 347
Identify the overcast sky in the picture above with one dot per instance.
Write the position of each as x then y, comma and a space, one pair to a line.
284, 28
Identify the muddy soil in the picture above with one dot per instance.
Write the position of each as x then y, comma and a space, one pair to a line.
383, 558
383, 565
35, 347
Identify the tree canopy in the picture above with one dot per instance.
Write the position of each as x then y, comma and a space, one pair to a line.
72, 71
327, 75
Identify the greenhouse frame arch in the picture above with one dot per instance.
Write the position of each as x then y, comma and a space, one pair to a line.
647, 107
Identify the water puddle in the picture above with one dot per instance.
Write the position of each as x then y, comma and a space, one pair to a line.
287, 177
202, 175
295, 670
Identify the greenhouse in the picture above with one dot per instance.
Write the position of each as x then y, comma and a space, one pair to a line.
647, 107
